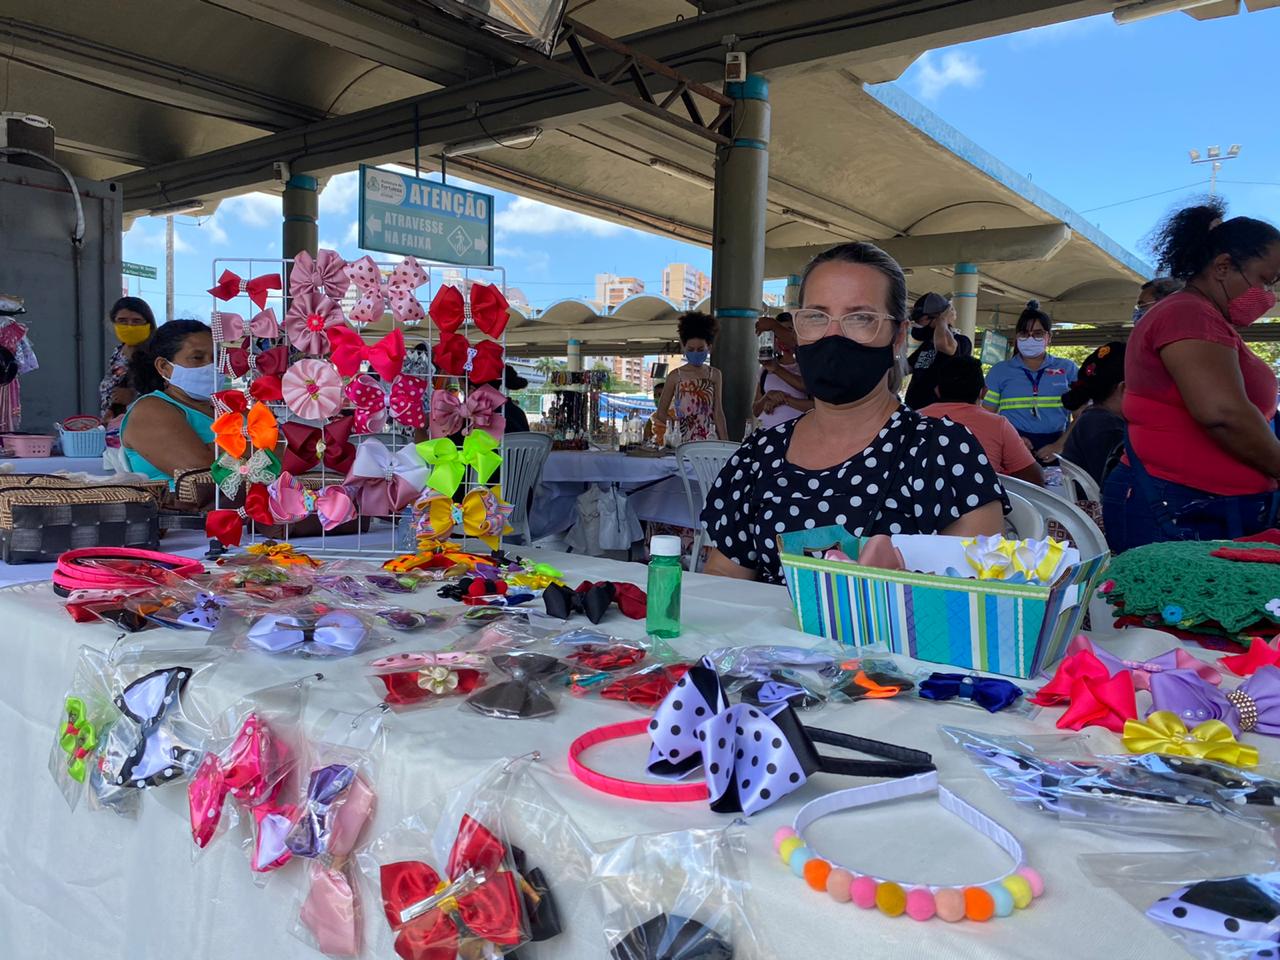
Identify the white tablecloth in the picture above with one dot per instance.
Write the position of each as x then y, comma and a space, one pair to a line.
652, 484
95, 886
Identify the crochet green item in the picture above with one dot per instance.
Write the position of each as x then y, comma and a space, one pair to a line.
1181, 583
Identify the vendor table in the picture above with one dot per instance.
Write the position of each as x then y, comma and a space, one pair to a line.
90, 465
652, 484
94, 885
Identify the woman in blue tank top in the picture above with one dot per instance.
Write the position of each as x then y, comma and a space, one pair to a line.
169, 428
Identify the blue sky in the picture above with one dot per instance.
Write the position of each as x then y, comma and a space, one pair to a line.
1094, 113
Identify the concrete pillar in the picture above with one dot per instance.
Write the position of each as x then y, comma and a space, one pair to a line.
965, 298
301, 207
737, 247
792, 294
575, 356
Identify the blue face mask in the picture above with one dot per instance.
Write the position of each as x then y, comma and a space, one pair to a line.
197, 382
696, 358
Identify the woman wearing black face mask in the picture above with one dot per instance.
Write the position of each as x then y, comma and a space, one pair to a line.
859, 459
931, 326
1202, 461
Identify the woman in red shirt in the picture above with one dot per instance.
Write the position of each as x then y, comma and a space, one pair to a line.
1202, 460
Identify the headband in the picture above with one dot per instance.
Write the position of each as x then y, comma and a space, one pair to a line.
91, 568
1000, 896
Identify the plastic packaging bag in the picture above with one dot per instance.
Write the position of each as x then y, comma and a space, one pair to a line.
869, 678
308, 629
1217, 904
424, 679
523, 688
87, 712
678, 895
992, 694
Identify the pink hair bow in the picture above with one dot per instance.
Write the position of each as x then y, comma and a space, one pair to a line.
291, 501
312, 389
242, 771
326, 274
1260, 654
483, 407
230, 327
230, 286
396, 294
1092, 695
1142, 670
447, 417
330, 912
407, 394
372, 402
386, 482
312, 320
349, 351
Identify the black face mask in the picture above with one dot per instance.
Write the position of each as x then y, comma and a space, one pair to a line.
923, 334
839, 370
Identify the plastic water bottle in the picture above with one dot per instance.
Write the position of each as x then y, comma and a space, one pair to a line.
662, 615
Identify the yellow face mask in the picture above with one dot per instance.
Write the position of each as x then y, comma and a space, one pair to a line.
132, 334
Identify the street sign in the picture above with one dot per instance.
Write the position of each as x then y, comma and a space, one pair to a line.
138, 270
995, 347
408, 215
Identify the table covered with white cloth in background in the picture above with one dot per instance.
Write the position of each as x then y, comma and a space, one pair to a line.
97, 886
651, 483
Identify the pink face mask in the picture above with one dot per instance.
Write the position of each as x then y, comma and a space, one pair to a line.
1250, 305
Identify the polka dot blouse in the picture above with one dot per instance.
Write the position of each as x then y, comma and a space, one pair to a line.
919, 475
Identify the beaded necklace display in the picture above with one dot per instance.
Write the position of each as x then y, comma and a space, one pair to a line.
999, 897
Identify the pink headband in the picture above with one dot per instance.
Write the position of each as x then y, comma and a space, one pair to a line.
630, 789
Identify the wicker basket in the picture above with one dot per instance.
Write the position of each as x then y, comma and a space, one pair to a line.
43, 516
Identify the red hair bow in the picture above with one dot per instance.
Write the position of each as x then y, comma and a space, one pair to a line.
230, 286
455, 356
349, 351
305, 446
424, 910
227, 526
271, 362
489, 309
266, 389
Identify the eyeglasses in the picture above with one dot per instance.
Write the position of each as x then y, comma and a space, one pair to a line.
862, 327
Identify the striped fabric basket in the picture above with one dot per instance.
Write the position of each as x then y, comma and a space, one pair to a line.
1006, 628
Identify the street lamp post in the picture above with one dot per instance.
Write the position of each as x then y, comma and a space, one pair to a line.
1215, 157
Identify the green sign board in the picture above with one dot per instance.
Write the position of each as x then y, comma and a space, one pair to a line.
138, 270
995, 347
415, 217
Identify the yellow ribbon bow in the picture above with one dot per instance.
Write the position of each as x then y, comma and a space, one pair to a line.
481, 514
1164, 732
280, 553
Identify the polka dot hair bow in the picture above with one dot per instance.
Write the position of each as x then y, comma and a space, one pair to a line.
396, 294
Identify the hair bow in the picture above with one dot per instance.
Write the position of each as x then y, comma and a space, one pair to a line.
411, 678
754, 756
388, 482
291, 501
312, 320
489, 309
1252, 706
370, 399
386, 356
454, 356
154, 755
330, 914
1260, 654
305, 446
230, 286
1140, 670
326, 274
242, 772
594, 599
271, 363
266, 389
335, 633
481, 897
482, 514
648, 687
231, 473
312, 389
523, 696
668, 935
991, 694
873, 686
483, 406
449, 464
337, 806
234, 431
405, 404
608, 657
79, 738
1095, 696
230, 327
396, 294
227, 526
1164, 732
203, 613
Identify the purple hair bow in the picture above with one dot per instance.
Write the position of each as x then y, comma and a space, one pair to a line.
1143, 670
333, 634
337, 806
1254, 706
753, 756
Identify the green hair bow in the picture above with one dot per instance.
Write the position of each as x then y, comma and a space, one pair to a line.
230, 473
78, 739
449, 464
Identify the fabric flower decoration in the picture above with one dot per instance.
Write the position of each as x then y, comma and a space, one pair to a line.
1273, 607
386, 482
325, 274
386, 356
396, 294
989, 556
230, 327
310, 318
312, 389
449, 464
454, 356
231, 473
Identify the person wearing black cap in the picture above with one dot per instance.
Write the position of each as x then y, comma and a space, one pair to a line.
1097, 435
931, 326
517, 421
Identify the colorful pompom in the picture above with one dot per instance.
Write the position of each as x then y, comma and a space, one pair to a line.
789, 846
838, 885
863, 892
1019, 889
920, 904
1001, 897
950, 904
782, 833
891, 899
1029, 874
816, 872
799, 858
978, 904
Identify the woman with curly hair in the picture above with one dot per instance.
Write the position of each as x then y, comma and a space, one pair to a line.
1201, 459
696, 387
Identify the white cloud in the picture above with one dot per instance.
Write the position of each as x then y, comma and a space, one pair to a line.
254, 209
1056, 32
531, 216
147, 233
934, 74
328, 245
213, 230
339, 194
352, 235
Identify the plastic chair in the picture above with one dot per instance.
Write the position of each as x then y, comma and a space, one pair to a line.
1087, 486
523, 457
1026, 520
705, 458
1083, 532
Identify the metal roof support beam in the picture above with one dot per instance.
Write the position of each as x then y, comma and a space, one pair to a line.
775, 35
1001, 245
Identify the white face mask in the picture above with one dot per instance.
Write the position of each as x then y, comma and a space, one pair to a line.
197, 382
1030, 347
